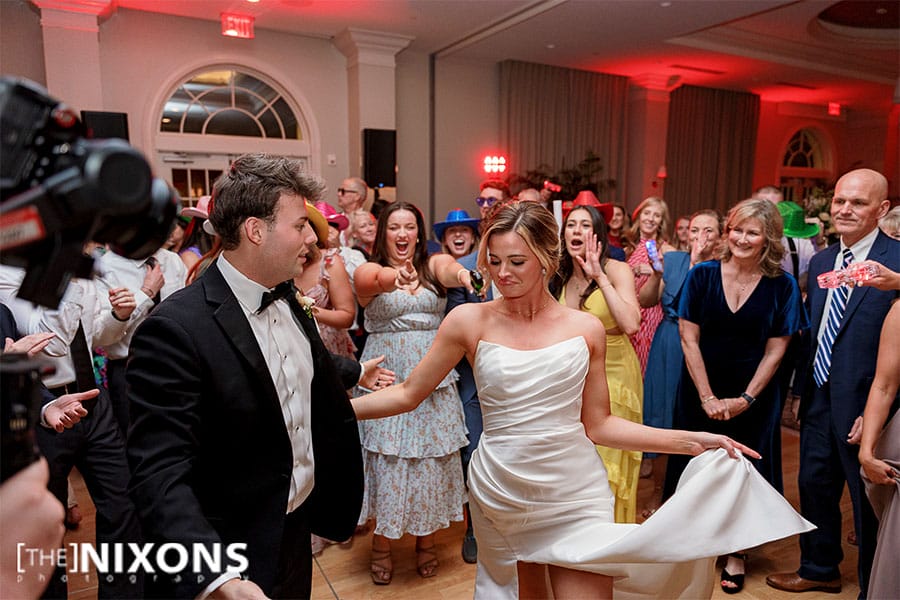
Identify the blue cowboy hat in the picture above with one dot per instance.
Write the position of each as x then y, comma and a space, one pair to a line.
455, 217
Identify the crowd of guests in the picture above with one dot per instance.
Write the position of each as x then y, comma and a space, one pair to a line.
712, 323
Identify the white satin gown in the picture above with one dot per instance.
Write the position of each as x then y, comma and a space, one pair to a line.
539, 491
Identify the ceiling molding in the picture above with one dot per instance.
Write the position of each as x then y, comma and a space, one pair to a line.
739, 42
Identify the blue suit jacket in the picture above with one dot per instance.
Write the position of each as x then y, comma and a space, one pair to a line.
855, 349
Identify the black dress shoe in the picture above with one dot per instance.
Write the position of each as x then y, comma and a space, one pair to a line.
470, 548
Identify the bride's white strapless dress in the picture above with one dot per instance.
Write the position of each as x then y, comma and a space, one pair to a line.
539, 491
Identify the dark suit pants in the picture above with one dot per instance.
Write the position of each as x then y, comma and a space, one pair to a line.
96, 447
118, 393
826, 462
294, 579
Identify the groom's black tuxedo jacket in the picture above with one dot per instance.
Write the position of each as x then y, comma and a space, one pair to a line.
210, 455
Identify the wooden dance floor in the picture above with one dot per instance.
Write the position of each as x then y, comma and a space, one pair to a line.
342, 571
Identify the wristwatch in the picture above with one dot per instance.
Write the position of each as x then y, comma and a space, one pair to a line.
750, 399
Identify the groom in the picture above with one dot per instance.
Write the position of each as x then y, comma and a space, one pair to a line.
241, 430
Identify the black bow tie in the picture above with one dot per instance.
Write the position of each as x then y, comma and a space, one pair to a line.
282, 290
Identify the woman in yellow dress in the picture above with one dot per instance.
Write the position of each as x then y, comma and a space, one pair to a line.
588, 280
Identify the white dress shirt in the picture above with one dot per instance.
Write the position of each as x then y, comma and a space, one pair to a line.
289, 357
115, 271
80, 304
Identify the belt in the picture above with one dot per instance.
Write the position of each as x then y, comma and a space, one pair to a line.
72, 388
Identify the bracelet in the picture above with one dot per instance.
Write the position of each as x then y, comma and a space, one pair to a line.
460, 272
112, 311
750, 399
707, 399
146, 291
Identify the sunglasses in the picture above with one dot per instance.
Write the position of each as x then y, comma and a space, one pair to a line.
343, 191
482, 201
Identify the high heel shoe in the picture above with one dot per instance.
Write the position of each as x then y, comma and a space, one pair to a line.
426, 561
381, 569
736, 580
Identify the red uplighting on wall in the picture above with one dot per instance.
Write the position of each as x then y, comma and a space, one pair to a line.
239, 26
494, 164
834, 109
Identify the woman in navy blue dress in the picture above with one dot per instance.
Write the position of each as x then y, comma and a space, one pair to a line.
666, 359
736, 318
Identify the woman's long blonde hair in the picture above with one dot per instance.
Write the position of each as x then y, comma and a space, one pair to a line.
773, 229
632, 235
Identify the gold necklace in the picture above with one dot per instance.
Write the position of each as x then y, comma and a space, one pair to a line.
743, 285
530, 316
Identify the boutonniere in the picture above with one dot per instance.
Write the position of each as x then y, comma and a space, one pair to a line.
306, 303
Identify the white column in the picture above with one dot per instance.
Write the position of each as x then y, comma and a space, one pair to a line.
648, 126
371, 84
72, 50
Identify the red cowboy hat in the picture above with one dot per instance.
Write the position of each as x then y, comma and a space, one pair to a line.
587, 198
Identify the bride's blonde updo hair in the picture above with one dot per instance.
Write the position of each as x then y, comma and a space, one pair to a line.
534, 224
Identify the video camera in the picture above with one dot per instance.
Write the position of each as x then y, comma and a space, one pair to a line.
59, 190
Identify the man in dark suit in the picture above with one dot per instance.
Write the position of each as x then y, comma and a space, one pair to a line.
836, 371
241, 429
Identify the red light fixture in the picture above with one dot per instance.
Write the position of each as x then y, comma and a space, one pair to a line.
236, 25
494, 164
834, 109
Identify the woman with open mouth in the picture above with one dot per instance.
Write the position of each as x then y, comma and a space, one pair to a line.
588, 280
458, 234
414, 479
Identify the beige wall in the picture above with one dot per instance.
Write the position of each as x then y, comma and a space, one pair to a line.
21, 48
466, 129
143, 55
413, 136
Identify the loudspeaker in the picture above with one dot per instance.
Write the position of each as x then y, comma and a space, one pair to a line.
100, 124
380, 157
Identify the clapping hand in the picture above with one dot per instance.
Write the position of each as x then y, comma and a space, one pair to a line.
123, 302
30, 344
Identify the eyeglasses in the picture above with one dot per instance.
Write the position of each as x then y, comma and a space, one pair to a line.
482, 201
343, 191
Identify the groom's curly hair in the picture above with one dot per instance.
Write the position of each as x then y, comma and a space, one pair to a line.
252, 186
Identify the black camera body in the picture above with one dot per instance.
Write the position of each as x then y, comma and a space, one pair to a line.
59, 190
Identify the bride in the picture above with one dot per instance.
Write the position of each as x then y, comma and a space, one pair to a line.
541, 505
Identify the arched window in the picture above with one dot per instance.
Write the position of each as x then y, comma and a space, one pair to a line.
805, 164
229, 103
803, 151
216, 114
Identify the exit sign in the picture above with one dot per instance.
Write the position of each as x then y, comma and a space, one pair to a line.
239, 26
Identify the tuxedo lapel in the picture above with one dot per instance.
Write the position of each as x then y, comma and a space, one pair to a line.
230, 317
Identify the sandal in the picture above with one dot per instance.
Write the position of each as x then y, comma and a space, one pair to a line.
736, 580
380, 568
426, 561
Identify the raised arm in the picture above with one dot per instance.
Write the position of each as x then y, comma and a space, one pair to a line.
371, 279
449, 272
448, 348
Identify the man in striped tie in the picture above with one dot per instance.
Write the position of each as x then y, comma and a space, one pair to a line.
834, 376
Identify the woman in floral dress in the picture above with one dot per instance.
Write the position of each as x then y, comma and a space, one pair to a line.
414, 480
